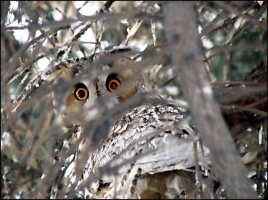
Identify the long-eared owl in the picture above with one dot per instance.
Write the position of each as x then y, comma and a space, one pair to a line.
133, 144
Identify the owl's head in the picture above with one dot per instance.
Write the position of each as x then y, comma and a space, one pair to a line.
85, 86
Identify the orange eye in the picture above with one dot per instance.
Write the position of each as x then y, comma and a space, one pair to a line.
113, 84
81, 93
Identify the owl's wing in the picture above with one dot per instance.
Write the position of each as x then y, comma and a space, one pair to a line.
147, 140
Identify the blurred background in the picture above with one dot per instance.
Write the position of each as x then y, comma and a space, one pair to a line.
37, 34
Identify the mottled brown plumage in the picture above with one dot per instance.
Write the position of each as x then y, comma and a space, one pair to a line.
143, 152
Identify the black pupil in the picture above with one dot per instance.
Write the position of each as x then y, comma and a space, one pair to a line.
114, 85
81, 93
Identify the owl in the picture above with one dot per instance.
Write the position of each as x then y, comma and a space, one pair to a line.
132, 143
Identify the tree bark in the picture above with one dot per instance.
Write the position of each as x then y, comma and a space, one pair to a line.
182, 36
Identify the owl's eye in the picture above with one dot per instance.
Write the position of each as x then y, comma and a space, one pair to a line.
113, 83
81, 93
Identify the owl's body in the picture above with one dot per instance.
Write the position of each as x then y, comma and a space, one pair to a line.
145, 154
130, 152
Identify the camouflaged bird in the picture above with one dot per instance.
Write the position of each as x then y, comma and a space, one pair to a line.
128, 150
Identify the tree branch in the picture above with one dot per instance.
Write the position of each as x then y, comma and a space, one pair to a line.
182, 35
